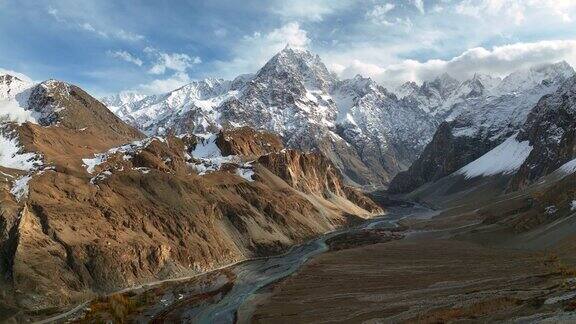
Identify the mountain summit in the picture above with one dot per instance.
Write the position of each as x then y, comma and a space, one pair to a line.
296, 96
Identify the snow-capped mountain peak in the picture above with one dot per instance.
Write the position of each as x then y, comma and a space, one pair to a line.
301, 64
354, 121
14, 94
544, 75
11, 85
480, 122
406, 89
443, 85
296, 96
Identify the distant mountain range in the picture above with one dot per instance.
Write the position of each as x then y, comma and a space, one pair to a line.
369, 132
480, 122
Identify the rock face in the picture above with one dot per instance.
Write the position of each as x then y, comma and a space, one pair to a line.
247, 142
97, 214
366, 131
551, 131
444, 155
483, 123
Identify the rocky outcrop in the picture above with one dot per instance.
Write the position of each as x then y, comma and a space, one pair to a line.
486, 122
551, 131
312, 173
71, 107
247, 142
308, 172
444, 155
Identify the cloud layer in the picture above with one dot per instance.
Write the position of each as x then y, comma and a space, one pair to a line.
125, 56
499, 60
106, 46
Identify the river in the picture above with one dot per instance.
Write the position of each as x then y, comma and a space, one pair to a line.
253, 275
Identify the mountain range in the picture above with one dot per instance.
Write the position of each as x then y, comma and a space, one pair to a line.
354, 122
97, 196
89, 204
369, 132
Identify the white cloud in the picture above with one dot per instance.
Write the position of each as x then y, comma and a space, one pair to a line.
175, 81
109, 32
177, 62
419, 4
362, 68
123, 55
90, 28
499, 60
221, 32
517, 10
379, 14
288, 34
313, 10
55, 14
511, 9
251, 52
129, 36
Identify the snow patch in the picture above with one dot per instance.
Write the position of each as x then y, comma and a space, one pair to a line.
11, 156
211, 158
568, 167
207, 148
6, 175
144, 170
551, 210
15, 111
464, 132
557, 299
14, 100
20, 187
100, 177
90, 164
245, 173
128, 150
503, 159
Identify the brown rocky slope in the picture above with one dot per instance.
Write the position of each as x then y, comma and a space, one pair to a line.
143, 212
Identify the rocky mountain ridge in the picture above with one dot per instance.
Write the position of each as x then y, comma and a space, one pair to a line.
551, 131
368, 132
294, 95
484, 123
89, 205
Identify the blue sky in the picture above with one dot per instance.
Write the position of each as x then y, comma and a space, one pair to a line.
155, 46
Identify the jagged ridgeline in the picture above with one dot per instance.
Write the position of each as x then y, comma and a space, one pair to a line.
90, 205
364, 129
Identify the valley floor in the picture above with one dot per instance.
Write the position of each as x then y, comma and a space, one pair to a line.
436, 274
433, 267
421, 280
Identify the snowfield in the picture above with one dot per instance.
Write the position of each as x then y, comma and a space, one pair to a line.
14, 94
17, 96
503, 159
568, 167
12, 158
211, 158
